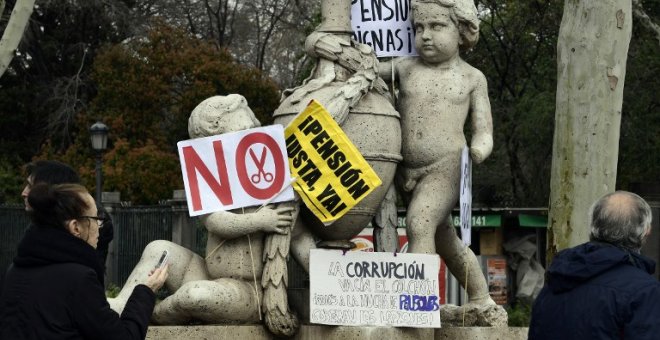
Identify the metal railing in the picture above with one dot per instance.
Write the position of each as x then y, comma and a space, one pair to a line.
134, 228
13, 223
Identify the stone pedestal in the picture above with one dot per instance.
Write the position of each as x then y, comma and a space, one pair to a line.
258, 332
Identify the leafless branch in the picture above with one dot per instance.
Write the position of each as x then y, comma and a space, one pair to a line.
65, 95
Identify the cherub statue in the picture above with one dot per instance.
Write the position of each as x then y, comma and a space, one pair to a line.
227, 285
437, 93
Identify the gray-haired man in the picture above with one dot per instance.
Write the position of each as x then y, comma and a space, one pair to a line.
603, 289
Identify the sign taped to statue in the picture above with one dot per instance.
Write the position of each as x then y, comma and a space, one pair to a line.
465, 199
235, 170
385, 25
374, 289
332, 174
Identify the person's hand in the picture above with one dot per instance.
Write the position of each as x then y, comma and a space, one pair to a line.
274, 220
157, 278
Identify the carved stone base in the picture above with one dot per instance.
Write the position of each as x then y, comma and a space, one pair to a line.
336, 244
473, 315
258, 332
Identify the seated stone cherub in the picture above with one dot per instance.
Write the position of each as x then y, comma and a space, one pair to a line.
225, 286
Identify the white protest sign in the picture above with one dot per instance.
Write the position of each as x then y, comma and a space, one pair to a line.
466, 197
385, 25
235, 170
375, 289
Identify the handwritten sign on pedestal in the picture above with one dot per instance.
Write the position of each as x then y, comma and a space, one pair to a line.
374, 289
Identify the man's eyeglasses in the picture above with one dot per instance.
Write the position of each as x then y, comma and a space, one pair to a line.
100, 220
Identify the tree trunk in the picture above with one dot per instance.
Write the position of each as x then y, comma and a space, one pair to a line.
591, 66
14, 31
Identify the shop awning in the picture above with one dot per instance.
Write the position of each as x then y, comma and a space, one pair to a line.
533, 221
481, 220
478, 220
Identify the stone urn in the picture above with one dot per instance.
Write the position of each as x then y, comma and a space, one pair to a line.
374, 128
345, 81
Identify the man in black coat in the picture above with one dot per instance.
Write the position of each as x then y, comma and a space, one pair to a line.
603, 289
54, 172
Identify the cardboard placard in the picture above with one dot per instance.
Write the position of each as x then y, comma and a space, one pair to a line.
235, 170
332, 174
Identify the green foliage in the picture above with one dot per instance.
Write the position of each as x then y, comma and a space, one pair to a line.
47, 82
146, 91
516, 52
147, 88
144, 88
112, 291
146, 174
639, 146
11, 181
520, 314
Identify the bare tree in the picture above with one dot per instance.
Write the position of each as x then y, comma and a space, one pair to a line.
267, 34
592, 52
221, 15
14, 31
277, 34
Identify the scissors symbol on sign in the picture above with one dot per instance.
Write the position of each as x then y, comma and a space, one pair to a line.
260, 163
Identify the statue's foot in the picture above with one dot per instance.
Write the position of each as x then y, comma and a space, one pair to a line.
485, 300
474, 315
337, 244
282, 325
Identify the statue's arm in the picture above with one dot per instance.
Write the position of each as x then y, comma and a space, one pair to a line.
482, 121
389, 70
385, 70
229, 225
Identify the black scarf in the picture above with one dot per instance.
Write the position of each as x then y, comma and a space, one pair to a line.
42, 246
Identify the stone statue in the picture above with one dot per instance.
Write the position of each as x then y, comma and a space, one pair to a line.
227, 285
437, 93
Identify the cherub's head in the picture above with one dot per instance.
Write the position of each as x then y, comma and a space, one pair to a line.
436, 17
221, 114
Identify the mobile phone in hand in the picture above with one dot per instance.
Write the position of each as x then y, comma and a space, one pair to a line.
163, 259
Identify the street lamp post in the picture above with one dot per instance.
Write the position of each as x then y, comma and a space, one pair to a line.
99, 136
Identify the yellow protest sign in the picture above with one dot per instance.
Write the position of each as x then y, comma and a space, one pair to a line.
332, 174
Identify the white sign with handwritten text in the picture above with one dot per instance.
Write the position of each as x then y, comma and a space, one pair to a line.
374, 289
385, 25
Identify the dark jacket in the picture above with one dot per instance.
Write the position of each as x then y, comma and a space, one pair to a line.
54, 291
598, 291
106, 235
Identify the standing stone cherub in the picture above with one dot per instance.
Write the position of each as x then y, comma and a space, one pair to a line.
437, 93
